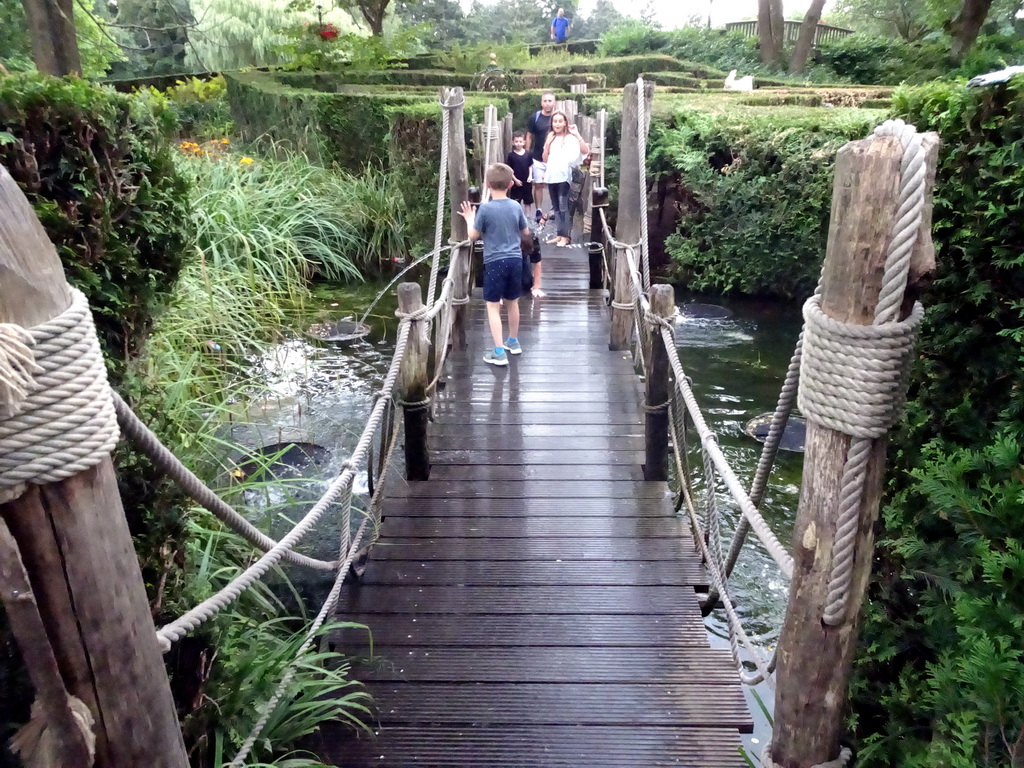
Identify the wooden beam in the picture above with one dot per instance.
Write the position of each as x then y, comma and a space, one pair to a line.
413, 382
627, 229
815, 659
458, 189
77, 549
656, 388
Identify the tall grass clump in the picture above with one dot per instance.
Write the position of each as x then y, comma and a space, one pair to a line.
254, 643
265, 228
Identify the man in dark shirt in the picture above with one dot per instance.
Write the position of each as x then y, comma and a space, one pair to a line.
560, 27
537, 128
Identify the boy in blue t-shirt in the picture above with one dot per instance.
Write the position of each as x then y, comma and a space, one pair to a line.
501, 224
560, 27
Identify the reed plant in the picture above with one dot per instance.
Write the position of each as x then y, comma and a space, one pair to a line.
265, 229
254, 643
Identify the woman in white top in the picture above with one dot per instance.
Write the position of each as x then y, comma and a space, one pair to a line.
563, 151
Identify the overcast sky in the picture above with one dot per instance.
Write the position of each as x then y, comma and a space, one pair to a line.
676, 13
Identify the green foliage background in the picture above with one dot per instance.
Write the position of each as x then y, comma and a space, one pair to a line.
756, 190
941, 680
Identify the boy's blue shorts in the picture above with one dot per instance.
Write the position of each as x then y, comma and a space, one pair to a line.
503, 279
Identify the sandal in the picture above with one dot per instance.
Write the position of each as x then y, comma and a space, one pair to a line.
553, 240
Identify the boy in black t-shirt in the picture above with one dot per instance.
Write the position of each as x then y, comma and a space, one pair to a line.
521, 163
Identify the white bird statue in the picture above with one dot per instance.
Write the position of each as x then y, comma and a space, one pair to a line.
994, 77
732, 83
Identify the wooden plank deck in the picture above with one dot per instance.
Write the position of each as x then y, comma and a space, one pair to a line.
533, 605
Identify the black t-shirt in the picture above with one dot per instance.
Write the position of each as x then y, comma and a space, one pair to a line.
539, 125
520, 165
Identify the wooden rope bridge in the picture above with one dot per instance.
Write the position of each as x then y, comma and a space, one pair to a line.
533, 596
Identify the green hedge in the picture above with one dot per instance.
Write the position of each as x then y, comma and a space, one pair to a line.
626, 69
941, 680
96, 167
757, 190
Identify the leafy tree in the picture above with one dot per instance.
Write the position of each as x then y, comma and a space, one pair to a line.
158, 31
441, 20
907, 18
373, 12
604, 17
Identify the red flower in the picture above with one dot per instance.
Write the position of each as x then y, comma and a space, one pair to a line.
327, 32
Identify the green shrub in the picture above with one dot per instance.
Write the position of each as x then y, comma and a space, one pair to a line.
864, 58
632, 37
96, 168
941, 682
201, 107
758, 190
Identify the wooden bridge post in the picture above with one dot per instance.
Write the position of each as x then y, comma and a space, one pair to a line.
628, 226
458, 188
77, 550
656, 388
815, 659
413, 380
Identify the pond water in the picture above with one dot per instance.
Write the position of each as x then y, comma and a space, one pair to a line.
322, 393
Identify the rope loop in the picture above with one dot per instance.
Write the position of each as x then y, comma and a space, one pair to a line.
65, 423
17, 367
417, 314
845, 755
853, 377
412, 406
660, 408
629, 305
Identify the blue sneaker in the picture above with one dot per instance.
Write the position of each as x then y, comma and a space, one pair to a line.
538, 216
512, 345
493, 358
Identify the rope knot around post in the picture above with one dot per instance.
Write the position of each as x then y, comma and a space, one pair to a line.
853, 377
845, 755
61, 418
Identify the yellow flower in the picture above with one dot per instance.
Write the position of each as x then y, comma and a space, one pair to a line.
246, 161
224, 141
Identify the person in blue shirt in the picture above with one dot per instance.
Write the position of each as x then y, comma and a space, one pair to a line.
560, 27
501, 224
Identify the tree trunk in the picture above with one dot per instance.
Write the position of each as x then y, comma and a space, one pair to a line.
805, 41
769, 51
966, 24
51, 27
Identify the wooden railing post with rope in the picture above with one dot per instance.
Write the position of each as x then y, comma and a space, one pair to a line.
597, 197
816, 647
458, 186
100, 673
627, 228
413, 382
656, 388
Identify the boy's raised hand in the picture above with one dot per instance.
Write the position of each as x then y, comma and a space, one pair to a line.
466, 211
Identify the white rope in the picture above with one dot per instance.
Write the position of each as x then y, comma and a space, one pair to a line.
845, 755
17, 367
64, 423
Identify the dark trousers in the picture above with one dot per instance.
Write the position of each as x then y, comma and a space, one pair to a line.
560, 203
